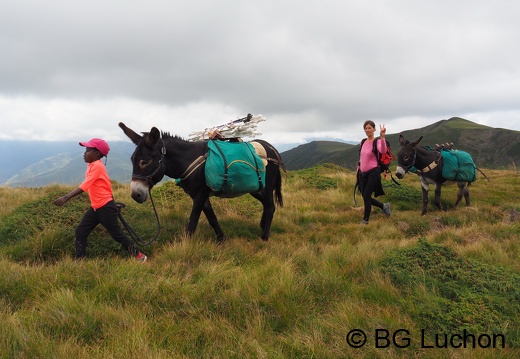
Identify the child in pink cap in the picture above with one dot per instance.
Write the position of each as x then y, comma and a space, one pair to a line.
103, 207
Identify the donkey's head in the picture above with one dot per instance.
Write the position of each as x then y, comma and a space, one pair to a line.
406, 156
147, 161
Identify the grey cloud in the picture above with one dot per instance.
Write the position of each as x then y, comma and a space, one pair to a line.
335, 62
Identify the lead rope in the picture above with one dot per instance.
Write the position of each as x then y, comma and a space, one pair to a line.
133, 235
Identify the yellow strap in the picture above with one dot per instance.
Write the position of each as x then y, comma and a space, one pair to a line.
193, 167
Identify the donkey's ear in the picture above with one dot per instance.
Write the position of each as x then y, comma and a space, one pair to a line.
153, 137
402, 141
416, 142
130, 133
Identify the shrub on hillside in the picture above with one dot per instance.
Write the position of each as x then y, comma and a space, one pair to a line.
447, 293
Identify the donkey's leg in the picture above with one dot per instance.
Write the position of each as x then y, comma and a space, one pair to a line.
466, 194
463, 192
196, 209
424, 187
268, 212
460, 193
212, 219
202, 203
437, 199
259, 197
267, 217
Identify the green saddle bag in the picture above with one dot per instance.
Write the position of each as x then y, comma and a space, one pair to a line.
233, 168
458, 166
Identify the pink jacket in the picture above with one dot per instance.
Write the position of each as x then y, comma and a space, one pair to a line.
367, 157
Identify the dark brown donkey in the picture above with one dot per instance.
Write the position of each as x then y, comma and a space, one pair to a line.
428, 166
158, 154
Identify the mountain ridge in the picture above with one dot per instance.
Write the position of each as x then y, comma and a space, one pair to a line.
37, 164
490, 147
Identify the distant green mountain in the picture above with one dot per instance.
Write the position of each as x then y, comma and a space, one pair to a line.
37, 164
313, 153
490, 147
40, 163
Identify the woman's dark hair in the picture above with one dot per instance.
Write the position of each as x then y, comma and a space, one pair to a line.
369, 122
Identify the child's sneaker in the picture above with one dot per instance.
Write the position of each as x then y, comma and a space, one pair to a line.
141, 257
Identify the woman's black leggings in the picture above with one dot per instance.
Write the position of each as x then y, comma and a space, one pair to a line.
369, 186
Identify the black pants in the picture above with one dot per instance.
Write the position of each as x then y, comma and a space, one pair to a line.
370, 182
107, 216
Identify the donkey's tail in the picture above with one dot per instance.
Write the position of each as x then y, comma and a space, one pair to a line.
483, 174
276, 158
278, 189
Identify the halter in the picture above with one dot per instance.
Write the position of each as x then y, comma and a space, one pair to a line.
407, 168
149, 178
428, 168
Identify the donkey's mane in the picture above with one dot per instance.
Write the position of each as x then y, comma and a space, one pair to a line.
169, 135
165, 134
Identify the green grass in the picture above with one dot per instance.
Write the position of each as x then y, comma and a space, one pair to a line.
319, 276
462, 293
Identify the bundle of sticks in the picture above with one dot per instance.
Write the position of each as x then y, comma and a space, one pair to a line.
242, 127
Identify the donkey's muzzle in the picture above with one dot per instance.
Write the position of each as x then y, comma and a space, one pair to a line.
139, 191
400, 172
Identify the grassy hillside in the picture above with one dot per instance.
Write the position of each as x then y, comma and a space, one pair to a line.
299, 295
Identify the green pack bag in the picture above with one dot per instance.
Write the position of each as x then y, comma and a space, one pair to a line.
458, 166
233, 168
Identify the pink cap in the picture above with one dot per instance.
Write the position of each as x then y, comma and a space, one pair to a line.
98, 144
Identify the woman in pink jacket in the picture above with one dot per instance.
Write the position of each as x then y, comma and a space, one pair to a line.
368, 172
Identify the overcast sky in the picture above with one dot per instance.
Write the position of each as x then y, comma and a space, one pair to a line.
71, 70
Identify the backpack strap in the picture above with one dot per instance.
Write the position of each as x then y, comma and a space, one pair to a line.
360, 147
374, 149
376, 152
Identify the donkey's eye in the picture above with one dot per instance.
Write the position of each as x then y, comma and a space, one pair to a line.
144, 163
406, 158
